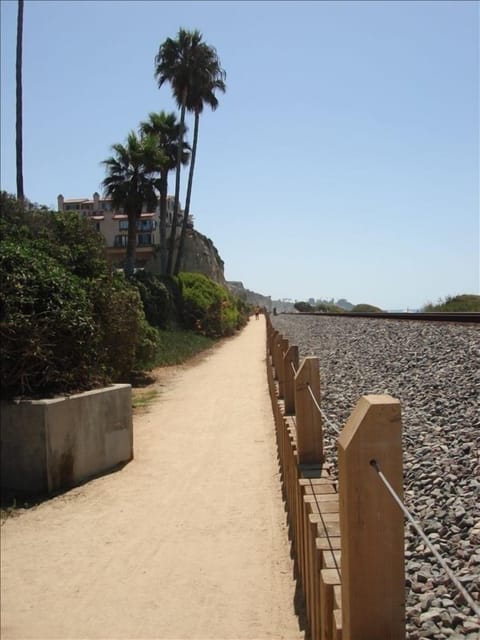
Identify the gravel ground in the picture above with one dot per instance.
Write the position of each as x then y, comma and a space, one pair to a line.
434, 370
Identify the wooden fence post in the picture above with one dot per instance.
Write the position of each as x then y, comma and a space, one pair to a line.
291, 357
309, 421
282, 346
268, 326
273, 340
371, 523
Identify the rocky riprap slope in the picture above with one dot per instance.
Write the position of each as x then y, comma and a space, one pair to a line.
434, 370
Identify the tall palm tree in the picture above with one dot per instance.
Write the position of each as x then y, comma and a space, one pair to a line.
166, 130
211, 78
19, 119
130, 182
181, 62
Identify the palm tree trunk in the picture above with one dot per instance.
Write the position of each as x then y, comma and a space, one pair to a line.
188, 196
163, 222
129, 268
171, 250
19, 123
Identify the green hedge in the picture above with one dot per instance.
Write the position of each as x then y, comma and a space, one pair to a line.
161, 297
67, 322
48, 337
209, 308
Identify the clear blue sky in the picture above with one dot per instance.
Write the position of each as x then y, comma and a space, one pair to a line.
343, 161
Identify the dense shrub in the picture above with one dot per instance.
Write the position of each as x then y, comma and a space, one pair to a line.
126, 340
322, 307
303, 307
161, 297
67, 323
73, 242
47, 326
209, 308
462, 303
244, 311
66, 237
366, 308
327, 307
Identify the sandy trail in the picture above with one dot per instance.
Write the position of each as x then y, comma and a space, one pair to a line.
186, 541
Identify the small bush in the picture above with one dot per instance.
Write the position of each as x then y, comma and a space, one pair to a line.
147, 345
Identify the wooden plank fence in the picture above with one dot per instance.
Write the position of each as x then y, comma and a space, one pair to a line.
348, 536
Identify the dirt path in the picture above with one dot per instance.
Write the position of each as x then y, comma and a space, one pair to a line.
186, 541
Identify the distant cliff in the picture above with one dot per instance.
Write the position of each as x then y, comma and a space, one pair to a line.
259, 299
200, 256
250, 297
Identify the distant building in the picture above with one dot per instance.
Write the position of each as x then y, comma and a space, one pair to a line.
113, 224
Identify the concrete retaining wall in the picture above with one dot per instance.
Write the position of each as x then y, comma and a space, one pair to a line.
48, 445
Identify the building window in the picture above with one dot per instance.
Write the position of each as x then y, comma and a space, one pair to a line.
120, 241
123, 225
144, 239
145, 225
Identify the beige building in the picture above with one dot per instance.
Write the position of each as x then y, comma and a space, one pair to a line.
113, 224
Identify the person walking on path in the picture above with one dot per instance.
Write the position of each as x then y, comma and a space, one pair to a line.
187, 541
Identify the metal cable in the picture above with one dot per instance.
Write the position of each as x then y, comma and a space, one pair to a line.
322, 413
470, 601
332, 550
314, 494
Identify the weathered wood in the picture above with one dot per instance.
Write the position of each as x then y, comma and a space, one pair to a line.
326, 507
309, 421
328, 579
316, 549
330, 528
290, 358
337, 631
337, 597
371, 524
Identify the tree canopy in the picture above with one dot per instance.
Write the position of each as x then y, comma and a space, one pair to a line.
131, 182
